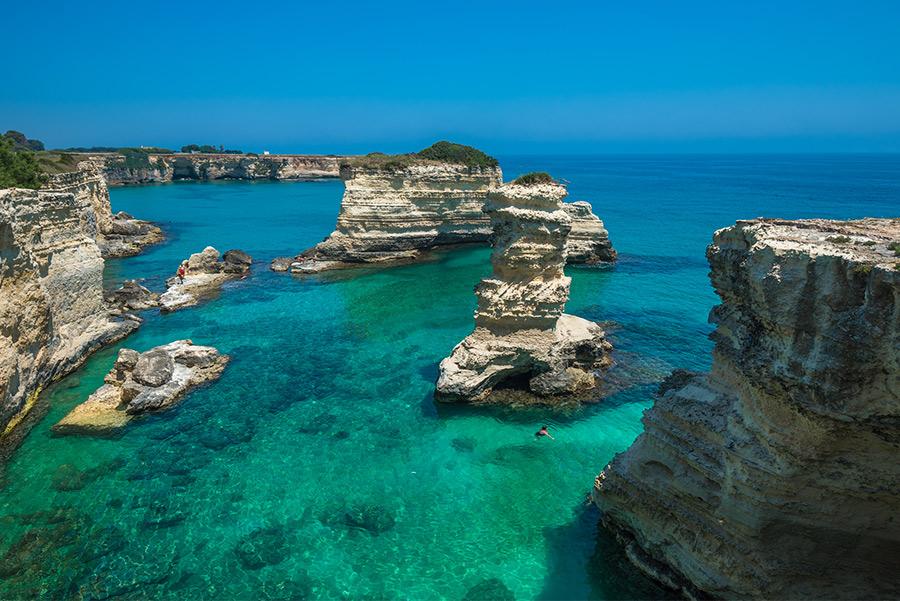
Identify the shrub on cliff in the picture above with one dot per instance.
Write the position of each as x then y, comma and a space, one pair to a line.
20, 142
18, 169
450, 152
533, 179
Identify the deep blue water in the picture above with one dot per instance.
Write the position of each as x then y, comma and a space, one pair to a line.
244, 489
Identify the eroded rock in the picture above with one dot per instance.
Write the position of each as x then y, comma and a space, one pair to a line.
138, 383
774, 476
522, 338
204, 275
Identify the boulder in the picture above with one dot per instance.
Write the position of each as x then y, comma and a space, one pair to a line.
154, 368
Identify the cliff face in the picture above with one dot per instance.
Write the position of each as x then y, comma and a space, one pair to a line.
521, 334
776, 475
165, 168
588, 241
52, 313
117, 235
394, 214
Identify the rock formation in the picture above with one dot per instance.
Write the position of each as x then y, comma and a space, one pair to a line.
392, 213
776, 475
119, 235
131, 296
588, 241
204, 275
52, 314
148, 168
144, 382
522, 338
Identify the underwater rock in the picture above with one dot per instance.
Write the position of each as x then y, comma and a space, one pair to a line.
374, 519
522, 339
775, 475
67, 478
263, 547
491, 589
138, 383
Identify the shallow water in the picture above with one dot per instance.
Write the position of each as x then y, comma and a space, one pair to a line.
319, 466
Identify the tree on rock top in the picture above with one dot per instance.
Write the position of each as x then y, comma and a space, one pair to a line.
18, 169
450, 152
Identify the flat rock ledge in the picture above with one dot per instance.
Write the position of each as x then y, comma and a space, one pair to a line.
205, 273
775, 475
523, 341
127, 236
143, 382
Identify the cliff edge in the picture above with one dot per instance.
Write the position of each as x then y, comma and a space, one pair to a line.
776, 475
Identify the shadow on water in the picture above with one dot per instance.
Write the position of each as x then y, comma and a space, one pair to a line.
583, 552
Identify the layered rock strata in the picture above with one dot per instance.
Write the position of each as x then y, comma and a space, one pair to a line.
776, 474
588, 241
119, 235
522, 339
205, 272
144, 382
150, 168
52, 313
395, 214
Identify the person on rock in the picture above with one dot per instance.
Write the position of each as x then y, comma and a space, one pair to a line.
180, 273
543, 432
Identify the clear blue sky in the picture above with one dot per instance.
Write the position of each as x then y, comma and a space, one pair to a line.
529, 77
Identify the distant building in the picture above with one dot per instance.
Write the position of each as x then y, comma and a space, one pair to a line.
265, 152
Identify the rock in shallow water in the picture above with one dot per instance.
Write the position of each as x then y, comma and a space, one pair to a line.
263, 547
775, 475
491, 589
204, 276
151, 381
522, 338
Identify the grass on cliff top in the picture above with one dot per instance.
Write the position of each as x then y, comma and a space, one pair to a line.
534, 178
439, 152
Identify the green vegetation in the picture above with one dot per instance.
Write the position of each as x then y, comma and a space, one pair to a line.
534, 178
21, 143
868, 243
440, 152
895, 246
18, 169
57, 162
209, 149
838, 239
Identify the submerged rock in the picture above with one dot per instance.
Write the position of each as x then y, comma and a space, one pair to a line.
204, 275
491, 589
522, 339
775, 476
374, 519
263, 547
138, 383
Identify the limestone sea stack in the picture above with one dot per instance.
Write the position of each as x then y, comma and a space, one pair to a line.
522, 338
776, 475
119, 235
205, 272
52, 313
588, 241
396, 208
144, 382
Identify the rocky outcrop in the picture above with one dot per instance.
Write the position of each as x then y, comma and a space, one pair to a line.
147, 168
52, 314
776, 475
204, 275
119, 235
131, 296
522, 339
588, 241
395, 213
144, 382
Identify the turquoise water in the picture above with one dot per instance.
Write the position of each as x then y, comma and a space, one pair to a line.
319, 466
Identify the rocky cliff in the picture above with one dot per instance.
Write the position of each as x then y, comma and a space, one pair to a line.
52, 314
776, 475
393, 214
522, 339
146, 168
118, 235
588, 241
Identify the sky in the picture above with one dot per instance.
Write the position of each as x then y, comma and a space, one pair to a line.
525, 77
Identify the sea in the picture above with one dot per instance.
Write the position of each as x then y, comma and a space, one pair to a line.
319, 466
